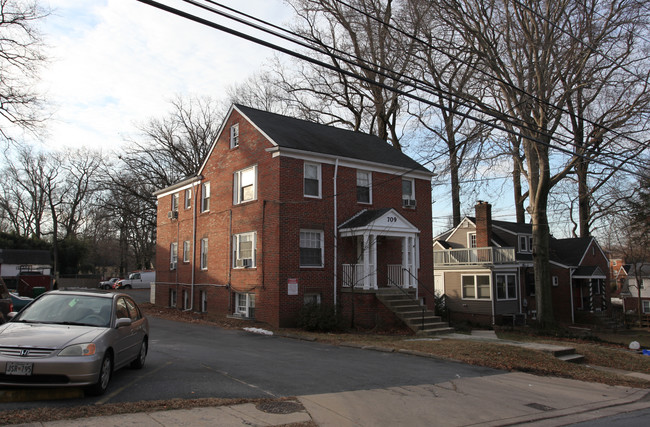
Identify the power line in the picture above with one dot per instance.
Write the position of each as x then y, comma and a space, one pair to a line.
360, 77
429, 45
448, 95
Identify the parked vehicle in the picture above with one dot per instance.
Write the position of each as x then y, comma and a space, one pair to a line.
137, 279
6, 305
73, 338
108, 284
33, 283
18, 301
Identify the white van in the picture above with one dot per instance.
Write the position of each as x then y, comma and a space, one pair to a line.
137, 279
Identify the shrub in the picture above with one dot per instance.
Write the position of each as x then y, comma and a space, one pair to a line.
319, 318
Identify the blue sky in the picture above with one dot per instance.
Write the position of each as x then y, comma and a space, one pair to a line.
115, 63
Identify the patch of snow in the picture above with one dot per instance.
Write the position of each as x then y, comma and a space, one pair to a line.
258, 331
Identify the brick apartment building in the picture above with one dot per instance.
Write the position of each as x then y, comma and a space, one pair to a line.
284, 212
485, 269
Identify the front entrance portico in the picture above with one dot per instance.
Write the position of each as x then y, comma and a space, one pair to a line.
379, 237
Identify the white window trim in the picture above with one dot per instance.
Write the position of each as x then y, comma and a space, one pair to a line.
173, 256
204, 301
469, 240
319, 177
175, 200
188, 198
248, 304
235, 249
555, 280
186, 251
322, 248
204, 254
527, 247
186, 299
172, 297
234, 135
645, 306
369, 202
496, 284
205, 196
476, 298
412, 196
237, 185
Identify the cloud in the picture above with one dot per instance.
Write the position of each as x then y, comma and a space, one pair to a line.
115, 63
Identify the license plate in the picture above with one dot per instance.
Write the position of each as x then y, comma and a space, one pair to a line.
19, 368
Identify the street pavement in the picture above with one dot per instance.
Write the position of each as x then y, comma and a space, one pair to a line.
496, 400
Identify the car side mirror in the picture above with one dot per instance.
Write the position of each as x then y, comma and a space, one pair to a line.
122, 321
11, 314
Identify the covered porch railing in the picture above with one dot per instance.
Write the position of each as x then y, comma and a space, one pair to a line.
353, 276
472, 256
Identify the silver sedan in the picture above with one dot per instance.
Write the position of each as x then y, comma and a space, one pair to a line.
73, 338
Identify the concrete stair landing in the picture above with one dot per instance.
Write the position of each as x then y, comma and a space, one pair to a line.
412, 313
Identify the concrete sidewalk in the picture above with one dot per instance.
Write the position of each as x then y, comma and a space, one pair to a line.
505, 399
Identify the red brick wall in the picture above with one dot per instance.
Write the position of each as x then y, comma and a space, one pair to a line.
278, 215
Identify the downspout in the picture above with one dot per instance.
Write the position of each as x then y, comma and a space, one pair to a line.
193, 248
336, 170
573, 320
492, 291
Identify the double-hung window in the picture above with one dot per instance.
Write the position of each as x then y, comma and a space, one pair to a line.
173, 256
312, 180
408, 193
243, 250
186, 251
311, 248
234, 135
245, 305
174, 202
506, 286
364, 185
471, 240
205, 197
204, 253
188, 198
245, 185
525, 243
646, 306
476, 286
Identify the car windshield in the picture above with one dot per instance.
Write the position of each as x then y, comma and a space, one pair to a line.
71, 309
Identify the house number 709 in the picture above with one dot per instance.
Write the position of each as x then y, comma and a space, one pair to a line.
391, 219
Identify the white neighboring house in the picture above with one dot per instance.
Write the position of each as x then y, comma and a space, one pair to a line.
630, 291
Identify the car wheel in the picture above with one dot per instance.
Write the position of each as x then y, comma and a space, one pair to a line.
127, 287
139, 362
105, 374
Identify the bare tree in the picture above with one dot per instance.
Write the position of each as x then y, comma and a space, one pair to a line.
354, 36
168, 150
537, 58
20, 60
445, 70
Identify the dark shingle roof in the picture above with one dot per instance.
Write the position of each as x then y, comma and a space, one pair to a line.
289, 132
569, 251
363, 218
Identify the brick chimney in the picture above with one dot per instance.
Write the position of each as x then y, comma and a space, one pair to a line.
483, 224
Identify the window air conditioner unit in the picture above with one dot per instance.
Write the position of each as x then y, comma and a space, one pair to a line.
247, 263
408, 203
172, 214
172, 266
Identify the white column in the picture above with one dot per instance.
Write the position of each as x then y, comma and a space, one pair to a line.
366, 261
405, 262
373, 258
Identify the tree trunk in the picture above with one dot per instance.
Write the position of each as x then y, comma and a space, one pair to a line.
584, 207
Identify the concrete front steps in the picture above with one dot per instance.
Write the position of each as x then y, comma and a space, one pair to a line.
412, 312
